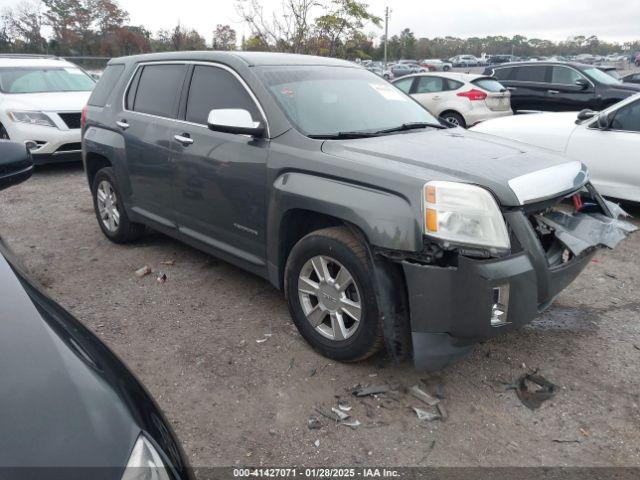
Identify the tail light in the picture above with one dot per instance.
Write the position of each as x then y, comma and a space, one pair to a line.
83, 116
473, 95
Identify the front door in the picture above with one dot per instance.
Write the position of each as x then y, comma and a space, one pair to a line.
564, 94
219, 186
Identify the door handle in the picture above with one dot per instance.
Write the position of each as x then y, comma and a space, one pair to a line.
553, 92
437, 97
122, 124
184, 139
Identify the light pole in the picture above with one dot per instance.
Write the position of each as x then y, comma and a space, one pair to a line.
386, 35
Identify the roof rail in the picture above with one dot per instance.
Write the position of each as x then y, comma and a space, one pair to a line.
26, 55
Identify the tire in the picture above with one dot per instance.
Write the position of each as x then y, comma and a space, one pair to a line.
454, 118
121, 229
3, 133
340, 250
446, 68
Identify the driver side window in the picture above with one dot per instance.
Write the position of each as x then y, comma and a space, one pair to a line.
627, 118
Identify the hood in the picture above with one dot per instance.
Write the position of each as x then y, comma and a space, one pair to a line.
46, 102
66, 399
451, 154
545, 130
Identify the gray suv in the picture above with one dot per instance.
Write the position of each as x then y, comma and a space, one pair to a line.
381, 225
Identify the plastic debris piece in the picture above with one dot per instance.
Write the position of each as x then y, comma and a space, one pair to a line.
340, 414
262, 340
143, 272
442, 411
314, 423
328, 413
162, 277
423, 396
169, 262
316, 443
425, 415
344, 406
559, 440
373, 390
533, 399
353, 424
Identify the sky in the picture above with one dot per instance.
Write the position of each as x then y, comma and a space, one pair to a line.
612, 20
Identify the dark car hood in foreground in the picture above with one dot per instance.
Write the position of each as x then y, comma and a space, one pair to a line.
452, 154
65, 398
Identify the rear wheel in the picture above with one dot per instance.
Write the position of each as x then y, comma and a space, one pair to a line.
110, 212
454, 118
446, 68
331, 295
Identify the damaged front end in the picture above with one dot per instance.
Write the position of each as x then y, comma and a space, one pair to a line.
458, 296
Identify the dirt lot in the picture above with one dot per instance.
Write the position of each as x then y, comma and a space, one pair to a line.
234, 401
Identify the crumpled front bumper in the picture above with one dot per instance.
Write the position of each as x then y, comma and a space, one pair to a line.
451, 307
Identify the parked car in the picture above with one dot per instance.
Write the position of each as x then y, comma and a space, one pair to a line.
611, 71
560, 86
401, 69
40, 102
387, 74
434, 64
380, 224
465, 61
631, 78
462, 99
607, 142
498, 59
71, 408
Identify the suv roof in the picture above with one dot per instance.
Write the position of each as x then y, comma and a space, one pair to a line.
543, 63
250, 58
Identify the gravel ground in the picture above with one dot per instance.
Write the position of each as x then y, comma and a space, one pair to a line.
234, 401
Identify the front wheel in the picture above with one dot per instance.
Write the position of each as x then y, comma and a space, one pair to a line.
110, 212
331, 294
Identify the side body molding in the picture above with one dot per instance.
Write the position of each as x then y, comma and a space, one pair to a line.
387, 220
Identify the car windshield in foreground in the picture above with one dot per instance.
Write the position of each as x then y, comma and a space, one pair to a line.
42, 80
599, 76
339, 102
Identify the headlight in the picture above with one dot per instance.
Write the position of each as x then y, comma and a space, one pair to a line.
145, 463
464, 214
32, 118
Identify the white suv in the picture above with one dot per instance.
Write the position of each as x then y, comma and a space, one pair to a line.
41, 99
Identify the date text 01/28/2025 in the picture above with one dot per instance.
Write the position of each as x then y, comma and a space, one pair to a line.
316, 472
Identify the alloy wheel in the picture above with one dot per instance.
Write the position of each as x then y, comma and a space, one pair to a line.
330, 298
108, 206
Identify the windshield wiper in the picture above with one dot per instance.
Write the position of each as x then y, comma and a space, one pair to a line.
345, 135
409, 126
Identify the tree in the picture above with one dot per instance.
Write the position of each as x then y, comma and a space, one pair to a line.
23, 24
407, 44
224, 38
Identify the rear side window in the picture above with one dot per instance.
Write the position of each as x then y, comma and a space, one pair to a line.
158, 88
502, 73
213, 88
530, 74
489, 84
106, 84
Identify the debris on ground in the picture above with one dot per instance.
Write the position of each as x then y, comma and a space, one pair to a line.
637, 347
353, 424
162, 277
312, 372
262, 340
143, 272
423, 396
425, 415
316, 443
291, 364
328, 413
541, 391
434, 384
559, 440
442, 411
373, 390
169, 262
314, 423
610, 275
344, 406
340, 414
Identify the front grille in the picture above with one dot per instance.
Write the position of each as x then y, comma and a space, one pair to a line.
70, 147
72, 120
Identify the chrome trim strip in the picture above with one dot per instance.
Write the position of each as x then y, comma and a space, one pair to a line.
154, 217
194, 62
549, 182
212, 242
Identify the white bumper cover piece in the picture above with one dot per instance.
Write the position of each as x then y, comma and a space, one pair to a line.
549, 182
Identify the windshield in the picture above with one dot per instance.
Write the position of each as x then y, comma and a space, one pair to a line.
599, 76
330, 100
40, 80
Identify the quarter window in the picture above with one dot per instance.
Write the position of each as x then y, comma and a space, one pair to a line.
158, 89
404, 84
215, 88
502, 73
105, 86
627, 118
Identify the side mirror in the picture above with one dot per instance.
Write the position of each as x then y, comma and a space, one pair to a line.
604, 121
16, 165
586, 114
582, 83
234, 120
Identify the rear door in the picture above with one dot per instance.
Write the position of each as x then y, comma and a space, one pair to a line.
219, 189
528, 85
564, 95
151, 107
428, 91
